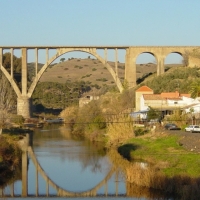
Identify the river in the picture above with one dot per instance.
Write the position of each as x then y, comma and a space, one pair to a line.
74, 165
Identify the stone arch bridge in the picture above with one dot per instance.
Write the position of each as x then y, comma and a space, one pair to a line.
132, 52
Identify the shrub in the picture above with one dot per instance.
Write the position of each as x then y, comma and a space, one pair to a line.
119, 130
69, 115
18, 119
140, 131
88, 119
88, 75
102, 79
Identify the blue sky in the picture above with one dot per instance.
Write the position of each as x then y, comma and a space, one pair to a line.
100, 22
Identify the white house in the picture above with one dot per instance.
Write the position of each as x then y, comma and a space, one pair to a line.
166, 101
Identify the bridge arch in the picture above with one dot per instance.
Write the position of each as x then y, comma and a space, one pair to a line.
176, 56
60, 52
147, 52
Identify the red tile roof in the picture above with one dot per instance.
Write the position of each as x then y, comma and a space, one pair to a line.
144, 89
170, 94
160, 97
185, 95
173, 95
153, 97
166, 95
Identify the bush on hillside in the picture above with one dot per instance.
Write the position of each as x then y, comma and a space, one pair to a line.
178, 79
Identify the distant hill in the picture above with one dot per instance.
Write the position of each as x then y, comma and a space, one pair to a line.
91, 70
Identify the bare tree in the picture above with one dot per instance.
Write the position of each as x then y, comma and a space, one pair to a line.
7, 101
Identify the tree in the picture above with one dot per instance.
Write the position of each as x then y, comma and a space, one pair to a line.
62, 59
153, 114
17, 62
195, 89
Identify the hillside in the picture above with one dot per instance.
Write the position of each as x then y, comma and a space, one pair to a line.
64, 83
91, 70
176, 78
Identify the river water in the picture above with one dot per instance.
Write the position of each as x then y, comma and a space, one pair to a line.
74, 165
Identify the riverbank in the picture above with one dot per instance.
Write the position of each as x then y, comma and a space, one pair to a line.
10, 158
13, 140
172, 153
166, 162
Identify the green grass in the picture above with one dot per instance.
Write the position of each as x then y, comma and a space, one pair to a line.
167, 150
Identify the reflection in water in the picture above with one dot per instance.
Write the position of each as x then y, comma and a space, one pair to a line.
71, 167
60, 165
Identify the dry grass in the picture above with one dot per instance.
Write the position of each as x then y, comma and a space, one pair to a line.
76, 69
119, 130
80, 69
142, 179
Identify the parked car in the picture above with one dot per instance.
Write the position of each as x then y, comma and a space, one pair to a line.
189, 128
168, 125
171, 126
196, 129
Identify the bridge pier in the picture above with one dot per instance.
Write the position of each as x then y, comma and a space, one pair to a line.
24, 106
130, 68
160, 65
